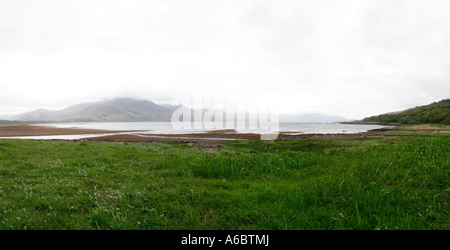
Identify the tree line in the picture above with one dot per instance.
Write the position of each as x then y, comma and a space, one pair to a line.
437, 112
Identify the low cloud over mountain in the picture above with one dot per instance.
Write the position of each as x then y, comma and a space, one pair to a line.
115, 110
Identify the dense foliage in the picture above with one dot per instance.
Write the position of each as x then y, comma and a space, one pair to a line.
437, 112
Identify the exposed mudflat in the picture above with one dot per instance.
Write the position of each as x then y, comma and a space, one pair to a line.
207, 138
36, 130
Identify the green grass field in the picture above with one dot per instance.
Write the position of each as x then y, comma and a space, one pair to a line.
392, 182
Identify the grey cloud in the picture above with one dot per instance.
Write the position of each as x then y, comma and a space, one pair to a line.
351, 58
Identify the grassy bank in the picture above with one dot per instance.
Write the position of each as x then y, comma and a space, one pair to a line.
380, 182
424, 127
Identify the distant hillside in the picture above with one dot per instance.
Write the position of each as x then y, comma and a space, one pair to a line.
312, 118
115, 110
437, 112
171, 107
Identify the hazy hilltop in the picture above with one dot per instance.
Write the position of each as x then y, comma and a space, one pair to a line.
131, 110
311, 118
115, 110
437, 112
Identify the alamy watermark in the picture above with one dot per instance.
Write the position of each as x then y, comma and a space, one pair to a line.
200, 113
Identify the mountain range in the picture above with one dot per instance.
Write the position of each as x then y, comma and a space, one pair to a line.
132, 110
115, 110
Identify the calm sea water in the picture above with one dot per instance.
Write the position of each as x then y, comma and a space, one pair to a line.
166, 128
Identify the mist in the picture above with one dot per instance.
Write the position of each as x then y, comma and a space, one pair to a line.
346, 58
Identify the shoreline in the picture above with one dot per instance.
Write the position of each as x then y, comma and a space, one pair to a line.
209, 137
374, 123
37, 130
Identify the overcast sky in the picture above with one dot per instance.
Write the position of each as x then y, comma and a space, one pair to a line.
352, 58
